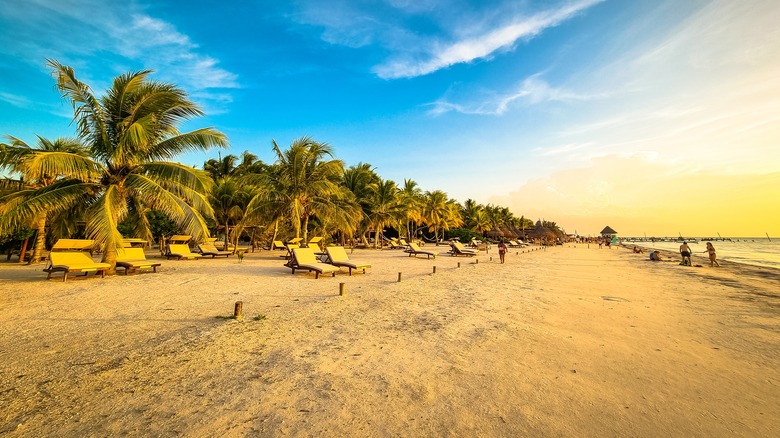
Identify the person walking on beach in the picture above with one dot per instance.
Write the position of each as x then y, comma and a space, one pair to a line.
502, 251
685, 252
711, 250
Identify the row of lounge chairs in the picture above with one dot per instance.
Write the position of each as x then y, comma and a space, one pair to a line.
334, 258
73, 256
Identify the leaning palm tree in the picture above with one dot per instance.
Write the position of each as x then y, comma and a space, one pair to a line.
130, 130
37, 171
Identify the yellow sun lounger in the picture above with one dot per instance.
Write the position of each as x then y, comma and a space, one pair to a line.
73, 245
304, 258
337, 256
181, 252
414, 250
314, 243
208, 249
458, 249
74, 262
133, 259
277, 244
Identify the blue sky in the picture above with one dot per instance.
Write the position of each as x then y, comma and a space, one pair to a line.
577, 111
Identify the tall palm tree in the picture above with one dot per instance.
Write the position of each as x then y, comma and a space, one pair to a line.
304, 181
411, 199
130, 130
37, 171
440, 213
384, 206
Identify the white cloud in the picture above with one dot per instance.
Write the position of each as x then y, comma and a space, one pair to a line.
122, 29
445, 54
532, 90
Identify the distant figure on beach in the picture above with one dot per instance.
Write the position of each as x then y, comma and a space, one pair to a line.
502, 251
711, 250
685, 252
638, 250
655, 256
600, 243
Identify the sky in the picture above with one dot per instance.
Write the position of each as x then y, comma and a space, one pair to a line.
656, 117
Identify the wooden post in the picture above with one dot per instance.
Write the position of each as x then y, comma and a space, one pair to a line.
459, 264
434, 269
399, 277
491, 259
238, 310
341, 289
476, 261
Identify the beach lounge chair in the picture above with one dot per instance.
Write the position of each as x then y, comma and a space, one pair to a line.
304, 259
458, 249
208, 249
134, 259
337, 256
277, 244
74, 262
314, 243
74, 245
179, 239
415, 249
290, 247
181, 251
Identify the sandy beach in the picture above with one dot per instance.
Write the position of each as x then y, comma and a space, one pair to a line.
567, 341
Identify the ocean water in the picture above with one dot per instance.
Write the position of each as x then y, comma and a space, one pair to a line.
756, 251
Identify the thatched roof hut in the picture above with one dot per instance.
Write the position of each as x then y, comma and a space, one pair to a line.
608, 232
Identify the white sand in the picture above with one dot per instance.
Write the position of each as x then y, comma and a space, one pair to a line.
571, 341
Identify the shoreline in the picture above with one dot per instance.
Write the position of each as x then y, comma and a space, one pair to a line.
562, 341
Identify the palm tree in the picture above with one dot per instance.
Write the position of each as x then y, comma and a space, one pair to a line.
411, 200
302, 183
440, 213
38, 170
221, 167
229, 198
384, 206
129, 131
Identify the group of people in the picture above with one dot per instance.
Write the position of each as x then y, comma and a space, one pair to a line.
685, 253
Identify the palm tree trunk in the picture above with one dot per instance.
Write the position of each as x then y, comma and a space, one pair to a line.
276, 231
40, 240
227, 224
305, 227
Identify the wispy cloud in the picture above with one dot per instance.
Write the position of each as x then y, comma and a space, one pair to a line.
503, 37
532, 90
15, 100
123, 35
421, 37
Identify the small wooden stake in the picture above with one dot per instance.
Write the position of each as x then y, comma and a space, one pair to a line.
491, 259
434, 269
399, 277
459, 264
341, 289
476, 261
238, 310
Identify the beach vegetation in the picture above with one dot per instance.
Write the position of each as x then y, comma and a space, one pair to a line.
38, 168
130, 131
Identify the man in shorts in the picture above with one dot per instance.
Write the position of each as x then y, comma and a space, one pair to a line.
685, 252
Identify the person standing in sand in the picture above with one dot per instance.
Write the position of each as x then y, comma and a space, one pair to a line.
685, 252
711, 250
502, 251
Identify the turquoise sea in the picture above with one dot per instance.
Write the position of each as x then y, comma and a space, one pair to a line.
756, 251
